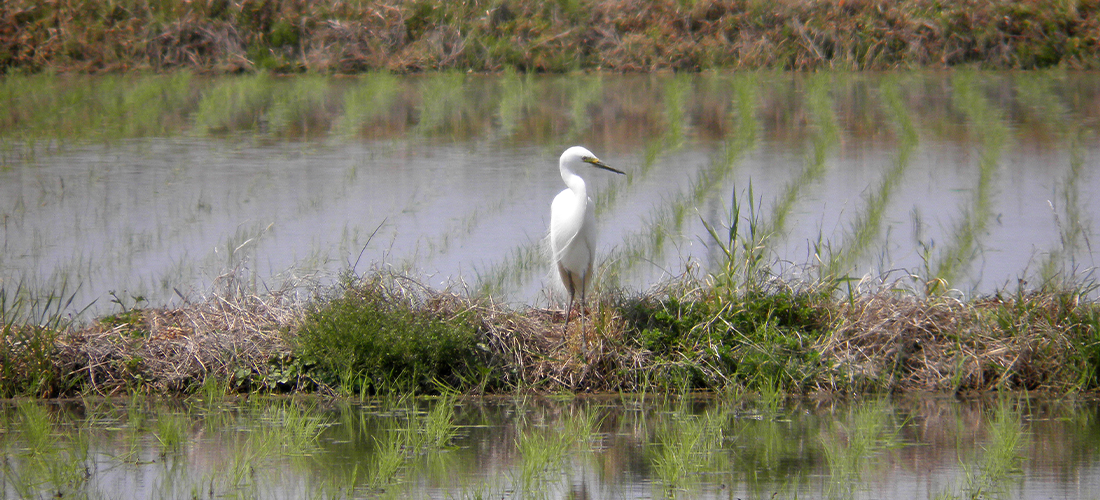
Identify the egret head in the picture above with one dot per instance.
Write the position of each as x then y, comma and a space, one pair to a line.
577, 156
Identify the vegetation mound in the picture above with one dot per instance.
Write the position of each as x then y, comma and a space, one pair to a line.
388, 333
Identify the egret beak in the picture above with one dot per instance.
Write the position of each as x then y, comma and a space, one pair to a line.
595, 162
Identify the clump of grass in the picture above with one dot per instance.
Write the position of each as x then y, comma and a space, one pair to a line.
684, 446
29, 327
1036, 340
392, 332
170, 430
231, 340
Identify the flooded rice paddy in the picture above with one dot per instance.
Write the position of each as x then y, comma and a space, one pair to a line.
588, 448
148, 188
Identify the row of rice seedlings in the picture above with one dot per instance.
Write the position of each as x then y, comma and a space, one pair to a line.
867, 226
825, 136
303, 110
584, 94
443, 103
46, 106
963, 245
1037, 94
365, 102
235, 104
517, 95
647, 244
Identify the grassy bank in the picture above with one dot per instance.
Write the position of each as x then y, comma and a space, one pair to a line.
742, 330
565, 35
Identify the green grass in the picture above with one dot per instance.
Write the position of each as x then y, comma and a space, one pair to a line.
379, 331
29, 326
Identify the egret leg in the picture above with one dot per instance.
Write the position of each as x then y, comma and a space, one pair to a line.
568, 310
584, 335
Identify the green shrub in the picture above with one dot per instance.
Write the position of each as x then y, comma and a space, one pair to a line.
377, 336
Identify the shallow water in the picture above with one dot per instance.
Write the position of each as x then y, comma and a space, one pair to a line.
593, 447
153, 187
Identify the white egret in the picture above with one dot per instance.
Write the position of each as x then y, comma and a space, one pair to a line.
573, 228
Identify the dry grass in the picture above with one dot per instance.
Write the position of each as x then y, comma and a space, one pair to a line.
533, 352
221, 337
881, 341
904, 343
617, 35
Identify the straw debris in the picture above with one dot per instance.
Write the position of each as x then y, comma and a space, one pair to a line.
231, 337
388, 332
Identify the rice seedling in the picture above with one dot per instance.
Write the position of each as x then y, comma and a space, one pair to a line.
293, 427
368, 100
683, 449
987, 122
170, 430
854, 442
986, 475
542, 452
388, 458
234, 104
49, 463
868, 224
437, 428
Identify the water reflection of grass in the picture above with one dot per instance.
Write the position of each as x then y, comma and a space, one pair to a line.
852, 445
681, 447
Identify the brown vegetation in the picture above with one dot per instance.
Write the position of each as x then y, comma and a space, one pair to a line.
226, 338
616, 35
883, 341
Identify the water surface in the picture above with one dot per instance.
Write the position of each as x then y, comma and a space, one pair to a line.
593, 447
155, 186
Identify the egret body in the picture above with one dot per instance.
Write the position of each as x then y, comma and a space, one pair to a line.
573, 228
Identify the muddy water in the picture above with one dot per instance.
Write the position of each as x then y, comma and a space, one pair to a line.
705, 447
154, 187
